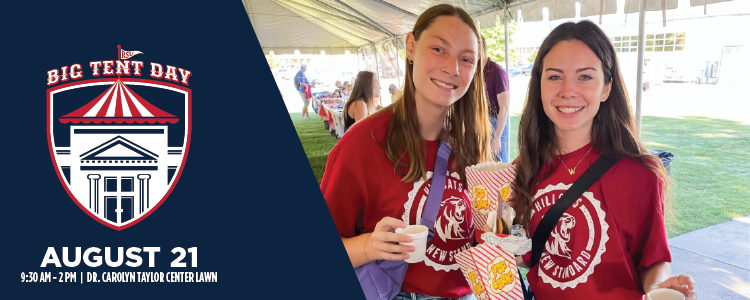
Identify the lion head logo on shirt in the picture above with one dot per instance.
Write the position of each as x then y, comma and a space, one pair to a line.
576, 244
448, 226
561, 237
454, 223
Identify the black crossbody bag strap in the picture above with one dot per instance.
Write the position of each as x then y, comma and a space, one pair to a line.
549, 220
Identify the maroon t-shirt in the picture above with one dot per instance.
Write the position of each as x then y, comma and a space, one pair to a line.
615, 226
361, 187
496, 82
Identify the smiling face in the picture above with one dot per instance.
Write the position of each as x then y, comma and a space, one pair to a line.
573, 86
444, 61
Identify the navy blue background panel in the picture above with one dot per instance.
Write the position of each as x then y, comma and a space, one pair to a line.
246, 198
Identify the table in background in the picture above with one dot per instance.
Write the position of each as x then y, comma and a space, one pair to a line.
332, 115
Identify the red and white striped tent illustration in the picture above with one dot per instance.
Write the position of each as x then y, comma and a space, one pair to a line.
119, 104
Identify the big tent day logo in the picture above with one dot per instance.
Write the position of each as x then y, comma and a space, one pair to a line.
119, 142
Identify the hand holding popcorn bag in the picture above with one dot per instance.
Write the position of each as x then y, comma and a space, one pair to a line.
487, 182
491, 272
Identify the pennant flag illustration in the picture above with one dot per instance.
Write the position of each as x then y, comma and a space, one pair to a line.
127, 54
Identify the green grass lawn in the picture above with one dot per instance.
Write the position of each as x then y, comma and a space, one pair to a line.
711, 170
316, 141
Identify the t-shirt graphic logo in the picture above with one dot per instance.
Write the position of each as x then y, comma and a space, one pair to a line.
561, 236
119, 142
448, 226
454, 225
578, 241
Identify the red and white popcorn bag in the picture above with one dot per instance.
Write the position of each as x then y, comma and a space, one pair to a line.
491, 273
486, 181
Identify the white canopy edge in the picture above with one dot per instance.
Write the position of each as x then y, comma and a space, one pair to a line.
308, 50
633, 6
705, 2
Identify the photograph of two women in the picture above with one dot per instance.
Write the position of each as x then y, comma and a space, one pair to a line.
578, 149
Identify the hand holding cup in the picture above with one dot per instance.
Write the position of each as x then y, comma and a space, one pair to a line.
682, 283
418, 233
383, 241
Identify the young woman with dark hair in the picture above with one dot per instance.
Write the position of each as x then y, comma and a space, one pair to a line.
380, 172
361, 103
612, 242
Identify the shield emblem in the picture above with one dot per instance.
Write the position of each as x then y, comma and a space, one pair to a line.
119, 145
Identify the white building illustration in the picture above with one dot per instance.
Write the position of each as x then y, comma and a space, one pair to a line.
119, 164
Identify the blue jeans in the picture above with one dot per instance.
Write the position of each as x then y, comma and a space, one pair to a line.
412, 296
504, 154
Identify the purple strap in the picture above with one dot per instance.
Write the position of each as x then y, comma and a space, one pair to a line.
382, 279
435, 197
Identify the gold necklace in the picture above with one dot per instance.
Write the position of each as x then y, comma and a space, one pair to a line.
573, 170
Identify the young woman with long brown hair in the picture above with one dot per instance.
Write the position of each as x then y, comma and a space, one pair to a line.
361, 103
612, 242
380, 172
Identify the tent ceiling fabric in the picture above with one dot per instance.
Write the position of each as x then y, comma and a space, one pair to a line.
634, 6
279, 28
489, 20
591, 7
559, 9
309, 26
532, 11
395, 21
338, 25
703, 2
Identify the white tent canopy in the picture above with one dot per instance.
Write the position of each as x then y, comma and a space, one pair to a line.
335, 26
310, 26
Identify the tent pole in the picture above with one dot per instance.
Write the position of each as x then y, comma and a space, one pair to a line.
507, 46
641, 48
377, 63
398, 63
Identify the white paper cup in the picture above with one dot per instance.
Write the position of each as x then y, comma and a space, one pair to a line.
418, 233
665, 294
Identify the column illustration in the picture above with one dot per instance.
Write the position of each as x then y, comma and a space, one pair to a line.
143, 191
94, 192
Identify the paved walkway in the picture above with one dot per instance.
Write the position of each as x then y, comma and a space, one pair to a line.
718, 258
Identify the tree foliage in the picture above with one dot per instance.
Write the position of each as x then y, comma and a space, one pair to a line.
532, 58
272, 60
496, 41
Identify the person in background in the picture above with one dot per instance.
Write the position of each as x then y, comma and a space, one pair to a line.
346, 90
496, 82
612, 242
300, 79
380, 171
394, 92
337, 92
362, 101
343, 88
